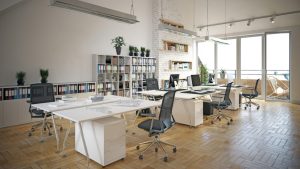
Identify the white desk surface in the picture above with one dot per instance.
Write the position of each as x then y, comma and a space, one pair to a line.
104, 110
215, 87
82, 102
179, 94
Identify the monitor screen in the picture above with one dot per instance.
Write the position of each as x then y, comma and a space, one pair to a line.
173, 78
196, 80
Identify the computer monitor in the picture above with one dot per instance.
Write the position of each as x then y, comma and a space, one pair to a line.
196, 80
173, 81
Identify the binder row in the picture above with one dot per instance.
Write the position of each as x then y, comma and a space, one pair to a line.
137, 61
107, 68
86, 87
16, 93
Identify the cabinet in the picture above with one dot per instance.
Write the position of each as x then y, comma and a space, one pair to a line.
105, 139
180, 65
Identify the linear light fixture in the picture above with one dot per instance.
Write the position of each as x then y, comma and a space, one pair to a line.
247, 19
173, 29
95, 10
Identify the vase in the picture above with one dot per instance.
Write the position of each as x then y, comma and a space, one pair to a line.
20, 82
142, 54
118, 50
44, 80
130, 53
147, 54
136, 54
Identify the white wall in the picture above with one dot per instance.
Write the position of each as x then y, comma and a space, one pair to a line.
35, 35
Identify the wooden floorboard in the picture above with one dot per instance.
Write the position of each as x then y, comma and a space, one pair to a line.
263, 139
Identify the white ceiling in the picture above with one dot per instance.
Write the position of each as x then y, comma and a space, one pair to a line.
4, 4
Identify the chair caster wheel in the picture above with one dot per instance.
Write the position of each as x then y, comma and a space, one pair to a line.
50, 134
141, 157
45, 129
258, 107
245, 108
32, 129
165, 159
61, 129
51, 126
212, 122
231, 120
174, 150
137, 147
29, 134
156, 149
228, 123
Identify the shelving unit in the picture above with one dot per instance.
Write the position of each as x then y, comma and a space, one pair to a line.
175, 46
122, 75
180, 65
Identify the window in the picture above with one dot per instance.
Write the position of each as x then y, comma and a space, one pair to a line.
206, 53
227, 57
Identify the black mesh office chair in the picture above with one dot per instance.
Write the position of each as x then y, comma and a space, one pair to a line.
251, 93
40, 93
152, 84
157, 126
221, 105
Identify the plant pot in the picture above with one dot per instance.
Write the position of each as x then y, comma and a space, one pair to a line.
118, 50
147, 54
44, 80
130, 53
142, 54
136, 54
20, 82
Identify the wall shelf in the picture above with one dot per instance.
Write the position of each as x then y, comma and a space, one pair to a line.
180, 65
175, 46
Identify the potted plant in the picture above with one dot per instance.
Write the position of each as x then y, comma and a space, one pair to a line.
147, 52
136, 51
203, 74
118, 43
143, 51
20, 78
44, 75
131, 49
222, 74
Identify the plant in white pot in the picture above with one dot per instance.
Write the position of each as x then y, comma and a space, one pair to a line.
118, 43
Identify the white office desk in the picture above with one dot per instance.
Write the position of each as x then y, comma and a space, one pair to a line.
187, 107
81, 111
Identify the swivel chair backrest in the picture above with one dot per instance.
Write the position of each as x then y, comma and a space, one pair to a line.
41, 93
227, 93
255, 88
166, 109
152, 84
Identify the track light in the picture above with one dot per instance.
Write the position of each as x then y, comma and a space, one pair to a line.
229, 25
272, 19
249, 22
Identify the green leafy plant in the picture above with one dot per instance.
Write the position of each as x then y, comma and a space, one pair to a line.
20, 78
147, 52
118, 41
143, 51
44, 75
136, 51
222, 73
131, 50
203, 74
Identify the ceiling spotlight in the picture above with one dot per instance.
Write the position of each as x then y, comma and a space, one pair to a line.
272, 19
249, 22
229, 25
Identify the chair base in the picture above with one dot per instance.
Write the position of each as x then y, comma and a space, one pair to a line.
249, 103
158, 144
45, 127
219, 116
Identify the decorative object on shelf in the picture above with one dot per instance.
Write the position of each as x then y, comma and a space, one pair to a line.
136, 51
180, 65
175, 47
147, 52
203, 74
20, 78
131, 49
44, 75
143, 51
118, 43
222, 74
211, 78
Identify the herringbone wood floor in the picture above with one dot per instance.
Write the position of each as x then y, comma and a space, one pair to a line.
268, 138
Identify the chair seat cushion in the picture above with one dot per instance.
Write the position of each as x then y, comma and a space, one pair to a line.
216, 103
249, 95
39, 113
157, 125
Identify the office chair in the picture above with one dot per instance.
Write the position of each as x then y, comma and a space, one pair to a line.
250, 94
152, 84
155, 127
40, 93
221, 105
196, 80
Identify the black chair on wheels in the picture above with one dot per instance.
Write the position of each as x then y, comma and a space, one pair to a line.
155, 127
40, 93
251, 93
221, 105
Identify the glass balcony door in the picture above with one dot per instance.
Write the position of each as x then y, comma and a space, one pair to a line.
277, 66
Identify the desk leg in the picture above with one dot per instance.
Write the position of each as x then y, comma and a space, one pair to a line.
56, 134
66, 137
84, 144
43, 126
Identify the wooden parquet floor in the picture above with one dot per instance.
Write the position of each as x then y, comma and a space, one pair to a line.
264, 139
